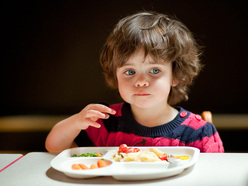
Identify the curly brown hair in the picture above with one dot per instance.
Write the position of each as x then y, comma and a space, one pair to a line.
160, 36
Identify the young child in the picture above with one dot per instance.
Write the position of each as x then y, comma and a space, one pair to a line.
151, 59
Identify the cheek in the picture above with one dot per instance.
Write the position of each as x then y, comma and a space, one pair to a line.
123, 87
162, 86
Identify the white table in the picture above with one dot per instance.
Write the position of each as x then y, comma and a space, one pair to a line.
7, 160
210, 170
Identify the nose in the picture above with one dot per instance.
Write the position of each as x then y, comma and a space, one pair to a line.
141, 82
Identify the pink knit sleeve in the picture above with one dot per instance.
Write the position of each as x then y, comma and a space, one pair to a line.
213, 144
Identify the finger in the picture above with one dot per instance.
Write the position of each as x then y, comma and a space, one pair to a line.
88, 122
106, 116
94, 124
95, 118
102, 108
95, 114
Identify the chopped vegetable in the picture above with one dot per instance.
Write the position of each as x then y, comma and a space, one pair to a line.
93, 166
83, 166
163, 156
125, 149
100, 163
76, 167
96, 154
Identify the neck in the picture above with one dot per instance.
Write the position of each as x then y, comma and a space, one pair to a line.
152, 117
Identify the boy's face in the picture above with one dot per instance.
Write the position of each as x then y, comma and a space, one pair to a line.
144, 83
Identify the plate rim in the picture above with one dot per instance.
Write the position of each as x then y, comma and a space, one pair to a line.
119, 175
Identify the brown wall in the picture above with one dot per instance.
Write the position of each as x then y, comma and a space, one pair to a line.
50, 53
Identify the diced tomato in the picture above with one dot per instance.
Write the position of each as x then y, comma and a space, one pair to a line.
163, 157
136, 149
130, 150
123, 148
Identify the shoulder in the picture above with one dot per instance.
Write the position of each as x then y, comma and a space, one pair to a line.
194, 121
191, 119
196, 124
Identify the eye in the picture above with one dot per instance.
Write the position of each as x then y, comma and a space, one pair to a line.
155, 71
130, 72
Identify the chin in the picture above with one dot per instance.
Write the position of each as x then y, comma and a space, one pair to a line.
143, 105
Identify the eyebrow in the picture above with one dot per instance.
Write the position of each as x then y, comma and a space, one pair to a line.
150, 63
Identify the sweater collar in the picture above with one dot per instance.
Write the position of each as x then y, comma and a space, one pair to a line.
132, 126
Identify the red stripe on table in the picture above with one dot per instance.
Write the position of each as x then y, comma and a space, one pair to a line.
11, 163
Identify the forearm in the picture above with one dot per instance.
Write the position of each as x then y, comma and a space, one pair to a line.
62, 135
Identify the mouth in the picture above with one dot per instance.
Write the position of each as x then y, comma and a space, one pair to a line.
142, 94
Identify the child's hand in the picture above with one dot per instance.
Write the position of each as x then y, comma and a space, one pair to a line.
91, 113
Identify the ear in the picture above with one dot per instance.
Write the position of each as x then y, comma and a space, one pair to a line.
174, 82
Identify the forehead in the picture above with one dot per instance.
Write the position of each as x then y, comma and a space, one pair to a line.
139, 56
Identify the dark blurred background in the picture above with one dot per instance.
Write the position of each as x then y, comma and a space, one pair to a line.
50, 53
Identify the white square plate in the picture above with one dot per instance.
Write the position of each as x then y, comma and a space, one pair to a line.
123, 170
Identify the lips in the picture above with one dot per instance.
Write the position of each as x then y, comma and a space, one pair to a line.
142, 94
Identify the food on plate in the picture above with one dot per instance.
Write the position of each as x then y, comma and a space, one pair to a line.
123, 148
100, 163
156, 151
76, 167
163, 157
83, 166
141, 156
182, 157
96, 154
159, 153
125, 154
93, 166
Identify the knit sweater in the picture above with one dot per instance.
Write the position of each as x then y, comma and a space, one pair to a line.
186, 129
